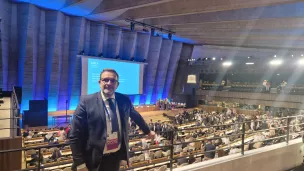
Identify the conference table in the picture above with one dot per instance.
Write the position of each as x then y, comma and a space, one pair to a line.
49, 154
67, 117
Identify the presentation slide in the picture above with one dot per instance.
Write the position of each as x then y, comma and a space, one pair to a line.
130, 75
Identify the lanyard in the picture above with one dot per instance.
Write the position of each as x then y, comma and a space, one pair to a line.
106, 109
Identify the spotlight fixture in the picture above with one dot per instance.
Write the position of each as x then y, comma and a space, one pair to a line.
206, 59
213, 58
276, 62
248, 57
221, 59
134, 22
291, 55
132, 26
275, 56
170, 36
227, 63
145, 29
152, 31
302, 55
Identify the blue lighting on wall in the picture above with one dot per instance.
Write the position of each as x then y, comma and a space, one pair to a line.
136, 100
74, 102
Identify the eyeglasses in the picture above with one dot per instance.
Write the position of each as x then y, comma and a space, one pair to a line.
106, 80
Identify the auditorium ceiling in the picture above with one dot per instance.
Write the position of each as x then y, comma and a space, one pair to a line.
248, 23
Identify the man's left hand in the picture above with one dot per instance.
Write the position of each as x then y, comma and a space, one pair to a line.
152, 135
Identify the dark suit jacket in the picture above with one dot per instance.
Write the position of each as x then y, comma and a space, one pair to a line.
209, 147
88, 133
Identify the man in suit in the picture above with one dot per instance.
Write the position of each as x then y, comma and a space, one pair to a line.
209, 150
99, 134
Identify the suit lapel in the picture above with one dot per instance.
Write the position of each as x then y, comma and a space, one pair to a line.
101, 106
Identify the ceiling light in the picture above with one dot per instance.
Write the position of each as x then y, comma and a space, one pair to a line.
276, 62
248, 57
213, 58
302, 55
301, 61
278, 74
227, 63
275, 56
221, 59
292, 55
206, 58
249, 63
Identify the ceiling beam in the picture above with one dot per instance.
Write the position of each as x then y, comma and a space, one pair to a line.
253, 46
278, 11
186, 7
112, 5
241, 25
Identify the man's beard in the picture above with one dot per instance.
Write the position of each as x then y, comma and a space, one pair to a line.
108, 92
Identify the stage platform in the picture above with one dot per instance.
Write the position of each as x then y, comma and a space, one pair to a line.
57, 118
139, 109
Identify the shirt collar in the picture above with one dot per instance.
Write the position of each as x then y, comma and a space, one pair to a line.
104, 98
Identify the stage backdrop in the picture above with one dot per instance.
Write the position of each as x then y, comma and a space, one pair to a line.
39, 51
130, 75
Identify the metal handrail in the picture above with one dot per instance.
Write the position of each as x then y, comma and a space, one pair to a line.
172, 144
15, 97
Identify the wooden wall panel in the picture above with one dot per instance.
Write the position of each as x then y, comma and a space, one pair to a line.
151, 69
64, 67
172, 68
39, 51
162, 69
10, 161
41, 59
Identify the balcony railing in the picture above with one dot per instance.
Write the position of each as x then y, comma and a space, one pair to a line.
246, 138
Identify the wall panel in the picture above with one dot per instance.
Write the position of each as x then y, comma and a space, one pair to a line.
162, 69
151, 69
172, 67
39, 51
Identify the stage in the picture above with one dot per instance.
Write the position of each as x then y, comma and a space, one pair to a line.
57, 118
140, 109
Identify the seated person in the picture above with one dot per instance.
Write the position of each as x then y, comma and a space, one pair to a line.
183, 160
209, 153
53, 142
35, 135
56, 154
25, 134
191, 159
35, 159
61, 134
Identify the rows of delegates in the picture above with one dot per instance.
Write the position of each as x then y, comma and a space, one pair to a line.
216, 130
